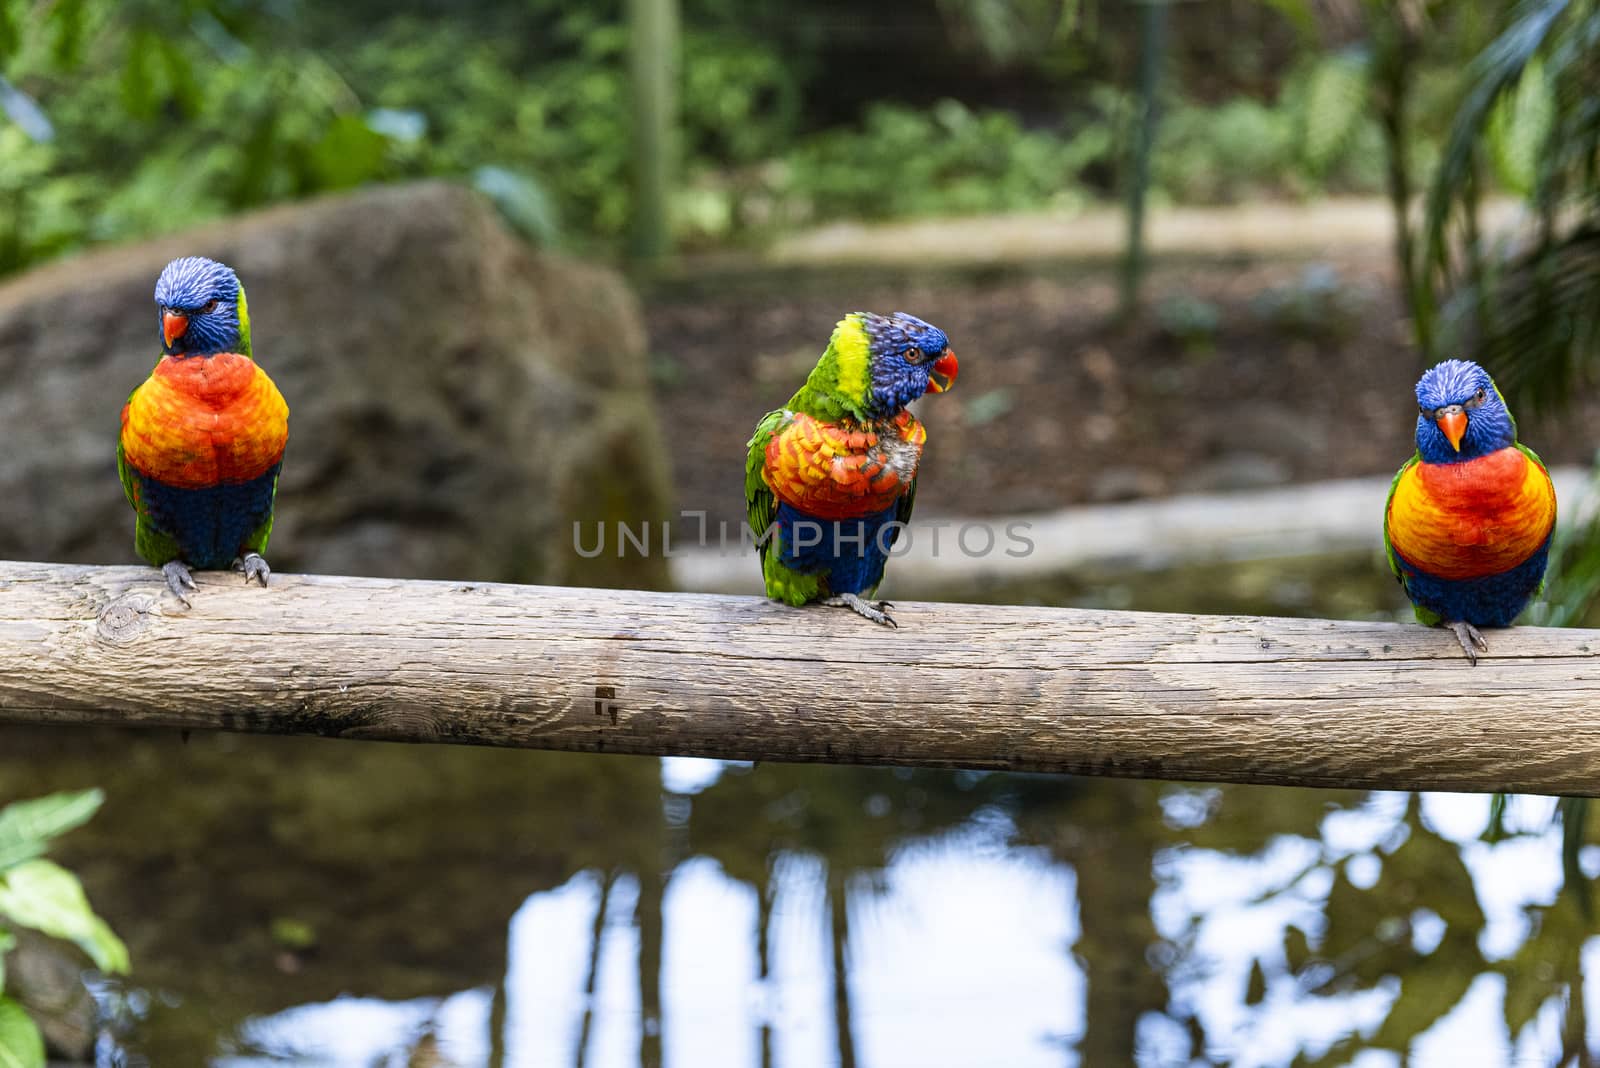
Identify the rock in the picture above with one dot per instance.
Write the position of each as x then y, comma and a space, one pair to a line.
1126, 483
1237, 471
458, 400
47, 977
1290, 432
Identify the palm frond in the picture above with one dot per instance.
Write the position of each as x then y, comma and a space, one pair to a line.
1496, 70
1535, 321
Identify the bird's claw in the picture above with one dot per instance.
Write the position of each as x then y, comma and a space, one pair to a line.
254, 567
1472, 642
866, 609
179, 580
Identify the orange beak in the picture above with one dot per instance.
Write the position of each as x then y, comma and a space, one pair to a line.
943, 374
172, 326
1454, 425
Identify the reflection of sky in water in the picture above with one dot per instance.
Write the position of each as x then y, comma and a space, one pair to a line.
961, 956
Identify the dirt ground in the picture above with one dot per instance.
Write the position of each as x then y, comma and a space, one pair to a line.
1244, 373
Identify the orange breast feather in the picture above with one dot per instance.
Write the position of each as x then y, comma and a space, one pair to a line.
202, 421
843, 470
1468, 520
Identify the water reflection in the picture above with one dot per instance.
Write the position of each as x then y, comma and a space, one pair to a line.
325, 903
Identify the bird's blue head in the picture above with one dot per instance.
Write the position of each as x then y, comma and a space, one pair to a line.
1461, 415
202, 309
906, 358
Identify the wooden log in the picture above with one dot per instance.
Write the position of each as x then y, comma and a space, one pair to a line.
1225, 698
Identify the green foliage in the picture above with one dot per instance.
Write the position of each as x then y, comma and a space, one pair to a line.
176, 121
26, 827
192, 112
1572, 581
45, 897
1224, 154
1527, 109
21, 1045
1518, 128
49, 899
562, 138
1009, 30
1331, 106
943, 160
158, 116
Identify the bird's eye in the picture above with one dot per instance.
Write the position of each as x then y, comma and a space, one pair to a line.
209, 306
1478, 399
914, 355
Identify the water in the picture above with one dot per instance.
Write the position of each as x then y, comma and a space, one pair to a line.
321, 903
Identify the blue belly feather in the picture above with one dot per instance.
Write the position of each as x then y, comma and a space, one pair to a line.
212, 524
848, 554
1490, 601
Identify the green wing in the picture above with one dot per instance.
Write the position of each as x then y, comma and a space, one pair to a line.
125, 473
1556, 504
1388, 546
902, 508
1530, 454
761, 506
154, 546
1425, 616
257, 541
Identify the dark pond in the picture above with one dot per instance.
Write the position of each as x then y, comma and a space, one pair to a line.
333, 903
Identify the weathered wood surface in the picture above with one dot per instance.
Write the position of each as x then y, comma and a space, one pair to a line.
1224, 698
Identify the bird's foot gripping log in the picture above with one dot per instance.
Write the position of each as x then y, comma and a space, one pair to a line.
254, 567
1471, 639
1222, 698
179, 580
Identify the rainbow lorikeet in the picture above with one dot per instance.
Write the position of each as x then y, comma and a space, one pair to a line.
1469, 517
830, 477
202, 439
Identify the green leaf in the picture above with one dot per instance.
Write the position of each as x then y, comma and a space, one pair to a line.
1497, 69
70, 17
1335, 102
1300, 13
21, 1045
350, 152
26, 827
182, 86
138, 90
48, 898
1519, 127
10, 34
7, 942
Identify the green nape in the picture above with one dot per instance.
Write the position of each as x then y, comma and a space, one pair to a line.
841, 382
244, 326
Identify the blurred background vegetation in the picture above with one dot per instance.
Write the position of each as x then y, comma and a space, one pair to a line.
129, 119
132, 119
